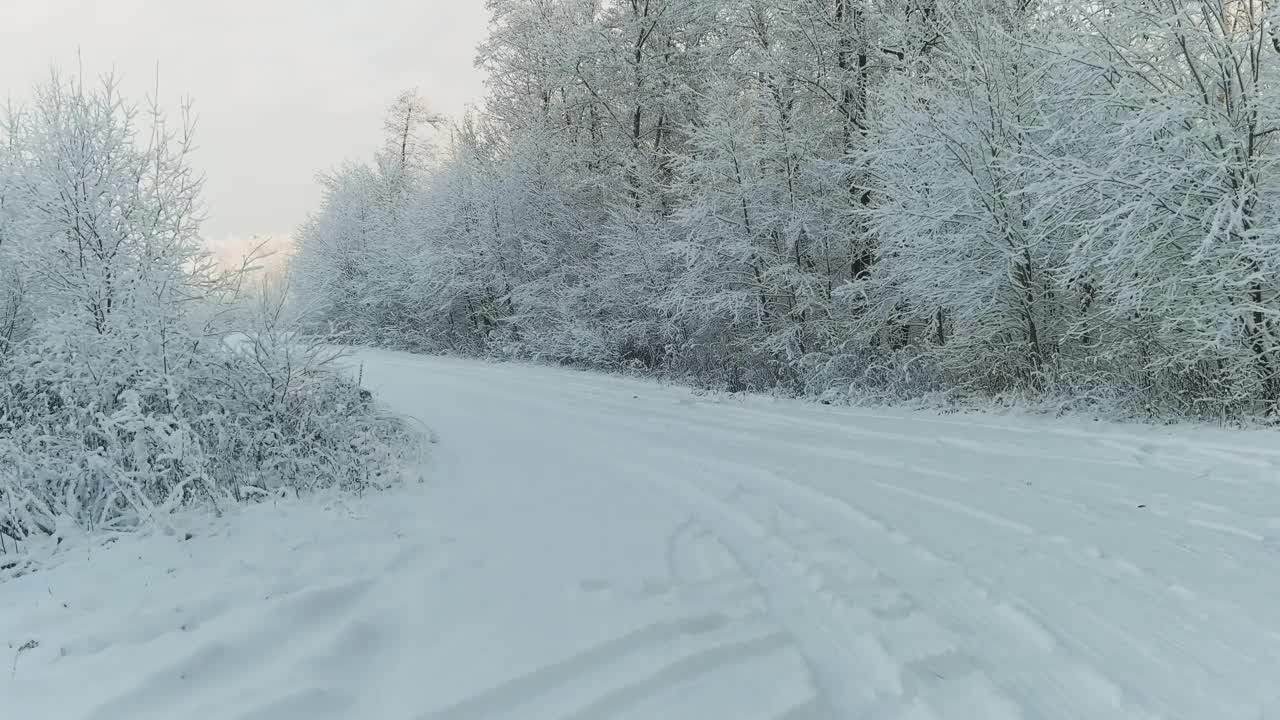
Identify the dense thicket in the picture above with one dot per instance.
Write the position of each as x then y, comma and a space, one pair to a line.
1069, 199
134, 378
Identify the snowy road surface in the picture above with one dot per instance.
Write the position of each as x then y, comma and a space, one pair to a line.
591, 547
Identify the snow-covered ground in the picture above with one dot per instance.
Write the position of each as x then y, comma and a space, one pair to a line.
592, 547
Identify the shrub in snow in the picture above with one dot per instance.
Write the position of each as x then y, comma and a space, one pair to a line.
134, 378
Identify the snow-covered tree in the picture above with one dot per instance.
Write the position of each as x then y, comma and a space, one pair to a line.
1064, 198
968, 268
1181, 249
132, 378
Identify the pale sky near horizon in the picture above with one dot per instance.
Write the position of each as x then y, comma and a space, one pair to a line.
283, 89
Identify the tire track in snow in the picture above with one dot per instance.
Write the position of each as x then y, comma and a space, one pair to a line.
1134, 452
1138, 597
509, 697
725, 429
853, 674
678, 672
1090, 628
1019, 531
241, 650
1082, 515
1171, 654
955, 639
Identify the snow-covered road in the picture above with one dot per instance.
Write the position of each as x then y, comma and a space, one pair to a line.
592, 547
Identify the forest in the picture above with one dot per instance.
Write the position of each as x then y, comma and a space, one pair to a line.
1070, 202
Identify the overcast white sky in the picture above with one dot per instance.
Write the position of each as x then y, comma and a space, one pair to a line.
283, 88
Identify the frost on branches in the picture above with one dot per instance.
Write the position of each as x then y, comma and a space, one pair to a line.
133, 377
1071, 201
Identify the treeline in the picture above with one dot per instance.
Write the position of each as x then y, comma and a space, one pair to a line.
1071, 200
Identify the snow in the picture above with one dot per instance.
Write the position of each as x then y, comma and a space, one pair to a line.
595, 547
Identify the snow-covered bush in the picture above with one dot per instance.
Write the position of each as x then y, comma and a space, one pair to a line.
135, 378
